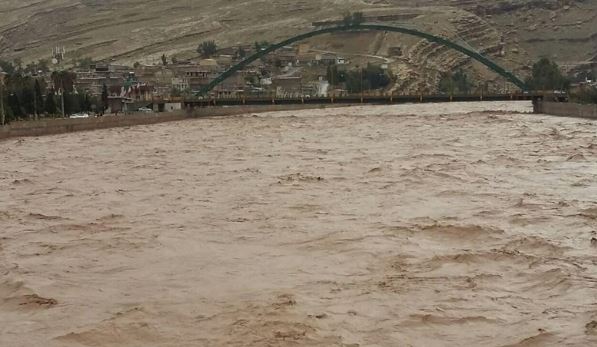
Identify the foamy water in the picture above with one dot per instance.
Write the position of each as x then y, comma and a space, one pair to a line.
413, 225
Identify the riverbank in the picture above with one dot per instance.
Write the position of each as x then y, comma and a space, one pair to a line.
54, 126
61, 126
567, 109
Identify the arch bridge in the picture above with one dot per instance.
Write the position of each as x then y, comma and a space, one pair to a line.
368, 27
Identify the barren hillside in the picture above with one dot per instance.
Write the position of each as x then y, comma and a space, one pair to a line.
142, 30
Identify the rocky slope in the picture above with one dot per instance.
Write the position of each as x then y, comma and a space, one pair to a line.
142, 30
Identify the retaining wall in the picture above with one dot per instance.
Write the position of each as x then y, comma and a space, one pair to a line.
61, 126
566, 109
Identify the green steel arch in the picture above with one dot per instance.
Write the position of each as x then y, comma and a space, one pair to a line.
375, 27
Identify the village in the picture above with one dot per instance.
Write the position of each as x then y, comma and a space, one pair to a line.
112, 88
289, 72
64, 86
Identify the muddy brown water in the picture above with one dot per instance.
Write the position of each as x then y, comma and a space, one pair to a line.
413, 225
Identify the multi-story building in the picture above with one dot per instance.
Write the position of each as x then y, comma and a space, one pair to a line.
181, 84
93, 79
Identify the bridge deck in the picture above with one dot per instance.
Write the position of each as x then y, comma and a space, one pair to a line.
358, 99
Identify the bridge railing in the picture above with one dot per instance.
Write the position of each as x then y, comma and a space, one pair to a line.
360, 99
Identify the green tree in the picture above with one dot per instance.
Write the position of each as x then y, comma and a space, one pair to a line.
27, 96
347, 19
95, 103
583, 75
71, 103
455, 83
354, 82
7, 67
30, 69
376, 76
546, 75
64, 80
85, 102
23, 94
240, 53
175, 92
261, 45
85, 63
104, 98
447, 84
34, 68
43, 65
351, 19
18, 64
50, 104
335, 76
8, 115
207, 49
331, 73
585, 95
75, 102
370, 77
358, 18
39, 99
16, 110
252, 80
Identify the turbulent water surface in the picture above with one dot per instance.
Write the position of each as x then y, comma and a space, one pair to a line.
427, 225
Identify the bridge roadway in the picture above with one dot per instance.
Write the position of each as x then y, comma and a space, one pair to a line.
358, 99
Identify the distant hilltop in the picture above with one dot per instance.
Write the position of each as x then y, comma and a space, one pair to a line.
128, 31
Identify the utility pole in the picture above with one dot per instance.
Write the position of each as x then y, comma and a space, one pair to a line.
60, 76
62, 101
362, 90
2, 117
34, 100
35, 96
333, 70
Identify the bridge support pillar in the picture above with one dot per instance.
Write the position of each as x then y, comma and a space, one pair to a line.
537, 105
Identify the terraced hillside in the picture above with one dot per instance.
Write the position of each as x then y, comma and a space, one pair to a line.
514, 32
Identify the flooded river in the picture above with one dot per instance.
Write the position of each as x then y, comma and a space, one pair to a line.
414, 225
